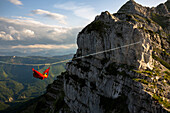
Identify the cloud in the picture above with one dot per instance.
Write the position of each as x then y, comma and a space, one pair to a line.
55, 16
55, 31
4, 36
12, 30
45, 46
21, 21
80, 10
14, 33
22, 18
16, 2
20, 34
28, 33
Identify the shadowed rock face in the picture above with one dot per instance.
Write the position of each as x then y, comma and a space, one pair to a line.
133, 78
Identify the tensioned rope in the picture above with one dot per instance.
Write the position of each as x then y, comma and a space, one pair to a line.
73, 58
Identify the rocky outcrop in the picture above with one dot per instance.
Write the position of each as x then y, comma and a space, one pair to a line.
97, 80
159, 14
167, 3
134, 8
129, 73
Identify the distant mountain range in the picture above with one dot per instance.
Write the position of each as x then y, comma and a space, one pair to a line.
46, 53
17, 83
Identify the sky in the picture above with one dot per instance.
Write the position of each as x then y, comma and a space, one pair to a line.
50, 27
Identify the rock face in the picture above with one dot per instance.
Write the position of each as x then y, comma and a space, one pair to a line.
135, 8
159, 14
129, 73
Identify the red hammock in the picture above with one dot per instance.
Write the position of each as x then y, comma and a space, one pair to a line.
39, 75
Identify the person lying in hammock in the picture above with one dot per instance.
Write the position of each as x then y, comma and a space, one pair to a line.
39, 75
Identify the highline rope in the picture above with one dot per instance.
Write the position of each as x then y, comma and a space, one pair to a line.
92, 54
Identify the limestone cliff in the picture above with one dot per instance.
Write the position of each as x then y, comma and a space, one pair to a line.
131, 78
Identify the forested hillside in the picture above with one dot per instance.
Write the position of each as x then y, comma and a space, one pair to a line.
17, 83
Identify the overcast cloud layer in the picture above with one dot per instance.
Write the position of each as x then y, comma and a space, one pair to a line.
27, 35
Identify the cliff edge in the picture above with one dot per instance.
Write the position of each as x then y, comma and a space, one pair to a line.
129, 73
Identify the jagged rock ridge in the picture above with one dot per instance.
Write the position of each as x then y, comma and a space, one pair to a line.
135, 8
134, 79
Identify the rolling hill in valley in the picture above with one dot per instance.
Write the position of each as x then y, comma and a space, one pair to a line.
17, 83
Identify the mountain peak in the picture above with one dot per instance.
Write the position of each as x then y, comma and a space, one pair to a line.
163, 8
133, 1
134, 8
131, 7
167, 3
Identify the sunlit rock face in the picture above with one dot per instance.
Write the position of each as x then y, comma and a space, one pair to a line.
126, 75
